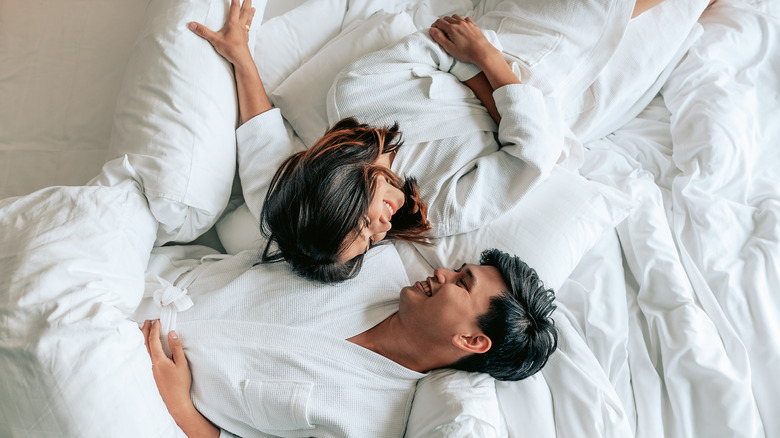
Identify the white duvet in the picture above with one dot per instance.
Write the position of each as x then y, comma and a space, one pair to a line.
669, 324
72, 262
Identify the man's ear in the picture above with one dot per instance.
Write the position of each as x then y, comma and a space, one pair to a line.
479, 343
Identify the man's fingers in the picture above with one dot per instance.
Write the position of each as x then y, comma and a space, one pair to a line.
155, 346
178, 351
202, 31
145, 331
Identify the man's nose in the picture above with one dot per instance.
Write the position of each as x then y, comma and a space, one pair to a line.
442, 275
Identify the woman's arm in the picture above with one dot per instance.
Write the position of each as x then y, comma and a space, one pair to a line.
173, 380
462, 39
481, 87
232, 43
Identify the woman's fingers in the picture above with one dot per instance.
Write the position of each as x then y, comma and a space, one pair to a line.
178, 351
235, 9
440, 38
246, 7
202, 31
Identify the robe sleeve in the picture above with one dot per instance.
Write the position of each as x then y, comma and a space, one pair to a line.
469, 170
263, 142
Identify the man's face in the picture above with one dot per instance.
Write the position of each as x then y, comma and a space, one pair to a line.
449, 303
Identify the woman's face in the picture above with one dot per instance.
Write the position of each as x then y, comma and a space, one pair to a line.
387, 200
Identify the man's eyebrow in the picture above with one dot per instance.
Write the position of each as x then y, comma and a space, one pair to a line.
472, 279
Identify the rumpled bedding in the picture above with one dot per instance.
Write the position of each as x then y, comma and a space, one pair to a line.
669, 324
72, 262
702, 250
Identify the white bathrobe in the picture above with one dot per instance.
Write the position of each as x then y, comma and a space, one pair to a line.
468, 174
268, 349
469, 170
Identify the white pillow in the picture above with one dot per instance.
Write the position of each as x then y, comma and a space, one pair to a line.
285, 42
302, 96
452, 404
550, 230
176, 116
72, 263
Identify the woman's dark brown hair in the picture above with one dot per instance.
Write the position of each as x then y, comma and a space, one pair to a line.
319, 197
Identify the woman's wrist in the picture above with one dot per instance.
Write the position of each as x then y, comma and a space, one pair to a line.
488, 59
243, 59
497, 70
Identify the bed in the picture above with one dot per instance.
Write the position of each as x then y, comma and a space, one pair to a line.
663, 242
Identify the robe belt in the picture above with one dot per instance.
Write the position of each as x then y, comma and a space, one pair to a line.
172, 297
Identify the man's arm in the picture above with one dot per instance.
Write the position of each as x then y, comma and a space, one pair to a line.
462, 39
173, 380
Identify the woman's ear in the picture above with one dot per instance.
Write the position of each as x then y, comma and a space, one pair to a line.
472, 343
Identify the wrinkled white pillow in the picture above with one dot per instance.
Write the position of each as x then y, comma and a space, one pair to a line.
550, 229
302, 96
454, 404
176, 117
286, 41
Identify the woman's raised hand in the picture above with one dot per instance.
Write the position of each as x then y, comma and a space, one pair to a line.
232, 40
462, 39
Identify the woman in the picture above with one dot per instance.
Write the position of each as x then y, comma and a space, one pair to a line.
325, 207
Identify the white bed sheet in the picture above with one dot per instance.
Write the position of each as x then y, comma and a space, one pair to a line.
672, 330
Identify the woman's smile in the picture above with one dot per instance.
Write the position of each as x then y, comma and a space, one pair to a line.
391, 207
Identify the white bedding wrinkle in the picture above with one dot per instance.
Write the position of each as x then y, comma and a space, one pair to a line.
725, 200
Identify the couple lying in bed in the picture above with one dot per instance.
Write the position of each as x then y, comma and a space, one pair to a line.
323, 211
325, 208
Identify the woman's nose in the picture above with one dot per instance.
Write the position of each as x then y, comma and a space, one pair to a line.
383, 225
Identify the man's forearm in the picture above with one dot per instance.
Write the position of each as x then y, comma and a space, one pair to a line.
194, 424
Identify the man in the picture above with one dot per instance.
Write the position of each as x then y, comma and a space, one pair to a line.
292, 377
